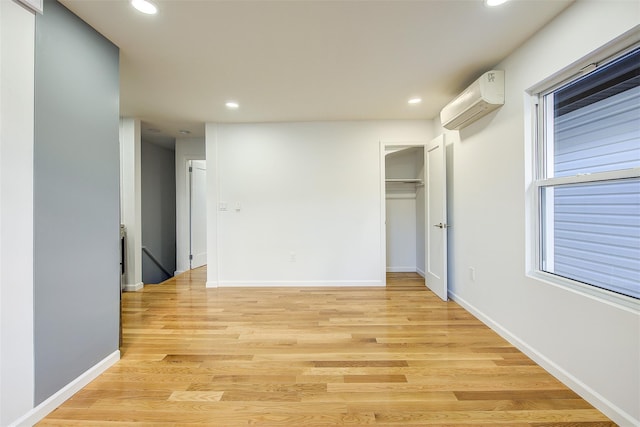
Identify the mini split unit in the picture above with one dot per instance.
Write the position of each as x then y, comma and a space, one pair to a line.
483, 96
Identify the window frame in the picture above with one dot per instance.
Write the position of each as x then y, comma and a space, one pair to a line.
540, 127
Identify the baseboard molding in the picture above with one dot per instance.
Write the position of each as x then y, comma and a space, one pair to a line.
611, 410
401, 270
134, 287
421, 272
211, 284
305, 283
175, 273
49, 405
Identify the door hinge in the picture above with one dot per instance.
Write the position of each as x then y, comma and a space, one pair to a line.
190, 168
190, 257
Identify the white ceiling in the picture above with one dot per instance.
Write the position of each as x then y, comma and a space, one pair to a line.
301, 60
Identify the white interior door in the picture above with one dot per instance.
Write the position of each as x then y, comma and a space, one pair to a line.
436, 230
198, 213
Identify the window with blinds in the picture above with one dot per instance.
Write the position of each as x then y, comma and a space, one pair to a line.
589, 178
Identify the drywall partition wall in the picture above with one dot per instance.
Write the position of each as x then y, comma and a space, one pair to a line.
158, 211
299, 203
17, 26
592, 345
186, 149
131, 200
76, 200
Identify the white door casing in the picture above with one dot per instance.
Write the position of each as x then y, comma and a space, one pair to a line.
436, 229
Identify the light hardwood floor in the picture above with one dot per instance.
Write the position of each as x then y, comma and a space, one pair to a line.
395, 356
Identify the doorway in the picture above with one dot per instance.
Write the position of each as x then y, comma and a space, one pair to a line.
414, 211
197, 213
404, 199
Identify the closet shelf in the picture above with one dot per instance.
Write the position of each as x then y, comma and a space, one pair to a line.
404, 180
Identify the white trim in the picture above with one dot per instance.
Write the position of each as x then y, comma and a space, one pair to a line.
211, 284
421, 272
175, 273
589, 177
291, 283
401, 269
49, 405
612, 411
133, 288
625, 43
601, 295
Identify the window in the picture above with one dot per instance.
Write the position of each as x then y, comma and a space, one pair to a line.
588, 177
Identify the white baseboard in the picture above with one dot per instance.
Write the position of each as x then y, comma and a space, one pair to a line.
134, 287
211, 284
305, 283
401, 270
49, 405
175, 273
420, 272
611, 410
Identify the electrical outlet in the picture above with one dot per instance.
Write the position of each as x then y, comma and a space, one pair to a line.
472, 274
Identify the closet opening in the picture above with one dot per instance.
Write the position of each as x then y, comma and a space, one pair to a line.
404, 208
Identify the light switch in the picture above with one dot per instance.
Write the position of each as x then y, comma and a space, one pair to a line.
222, 206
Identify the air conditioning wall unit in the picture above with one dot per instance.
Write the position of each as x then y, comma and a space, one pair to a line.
479, 99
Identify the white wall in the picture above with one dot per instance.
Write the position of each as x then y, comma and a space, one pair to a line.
186, 149
131, 199
310, 201
590, 344
401, 232
17, 30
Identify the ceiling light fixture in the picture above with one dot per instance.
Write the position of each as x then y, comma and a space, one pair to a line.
145, 6
232, 105
414, 101
184, 132
492, 3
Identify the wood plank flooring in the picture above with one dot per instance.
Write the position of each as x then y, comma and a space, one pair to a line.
395, 356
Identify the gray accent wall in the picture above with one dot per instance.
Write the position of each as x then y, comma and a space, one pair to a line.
158, 176
76, 199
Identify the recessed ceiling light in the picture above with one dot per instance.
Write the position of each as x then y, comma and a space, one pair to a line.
414, 101
492, 3
145, 6
232, 105
184, 132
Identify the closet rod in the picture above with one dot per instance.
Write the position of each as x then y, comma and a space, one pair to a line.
404, 180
